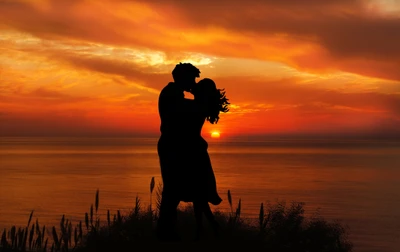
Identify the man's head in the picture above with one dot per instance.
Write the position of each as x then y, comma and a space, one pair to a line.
185, 75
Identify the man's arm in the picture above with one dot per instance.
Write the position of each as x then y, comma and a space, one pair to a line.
171, 108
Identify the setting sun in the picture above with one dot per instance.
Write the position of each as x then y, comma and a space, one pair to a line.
215, 134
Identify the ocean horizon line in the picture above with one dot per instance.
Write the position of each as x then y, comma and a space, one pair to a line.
223, 138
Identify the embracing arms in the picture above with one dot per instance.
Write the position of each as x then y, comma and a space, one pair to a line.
175, 111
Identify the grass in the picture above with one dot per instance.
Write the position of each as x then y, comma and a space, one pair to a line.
279, 227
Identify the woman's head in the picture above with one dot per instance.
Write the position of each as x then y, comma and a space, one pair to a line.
213, 99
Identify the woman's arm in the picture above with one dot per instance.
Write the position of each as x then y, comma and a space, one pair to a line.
191, 107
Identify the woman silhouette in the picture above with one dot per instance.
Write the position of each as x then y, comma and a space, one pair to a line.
201, 187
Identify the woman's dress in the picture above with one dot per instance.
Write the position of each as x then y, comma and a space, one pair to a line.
201, 183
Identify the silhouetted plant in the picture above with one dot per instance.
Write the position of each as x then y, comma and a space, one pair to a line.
234, 217
230, 200
152, 184
137, 208
158, 198
280, 228
108, 218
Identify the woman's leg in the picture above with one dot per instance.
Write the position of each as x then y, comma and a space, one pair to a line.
201, 207
198, 213
210, 217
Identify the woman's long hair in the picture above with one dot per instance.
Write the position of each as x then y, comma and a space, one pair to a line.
216, 100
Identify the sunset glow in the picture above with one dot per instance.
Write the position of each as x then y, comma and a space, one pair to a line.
215, 134
76, 68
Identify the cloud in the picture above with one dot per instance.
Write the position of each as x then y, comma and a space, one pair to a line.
286, 65
291, 91
342, 33
267, 107
73, 123
287, 105
42, 92
309, 35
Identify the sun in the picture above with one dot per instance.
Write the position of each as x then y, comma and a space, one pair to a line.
215, 134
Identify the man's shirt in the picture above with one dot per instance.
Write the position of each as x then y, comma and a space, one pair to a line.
171, 108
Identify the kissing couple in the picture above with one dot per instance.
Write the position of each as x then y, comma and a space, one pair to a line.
186, 168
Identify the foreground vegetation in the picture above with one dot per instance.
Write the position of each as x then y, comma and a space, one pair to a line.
280, 227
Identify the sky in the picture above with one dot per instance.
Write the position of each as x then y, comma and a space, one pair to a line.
289, 67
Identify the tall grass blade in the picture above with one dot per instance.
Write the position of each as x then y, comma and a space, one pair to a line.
152, 184
80, 230
159, 196
119, 216
23, 245
43, 230
38, 241
18, 244
76, 236
62, 227
238, 209
261, 216
30, 218
91, 215
55, 237
136, 210
45, 245
31, 236
37, 227
4, 239
62, 222
230, 200
87, 221
108, 217
70, 233
97, 200
17, 236
13, 236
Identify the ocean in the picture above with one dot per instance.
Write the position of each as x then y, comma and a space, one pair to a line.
356, 182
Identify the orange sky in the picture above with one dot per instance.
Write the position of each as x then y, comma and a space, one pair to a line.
83, 67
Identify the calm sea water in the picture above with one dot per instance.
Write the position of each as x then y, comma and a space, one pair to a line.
355, 182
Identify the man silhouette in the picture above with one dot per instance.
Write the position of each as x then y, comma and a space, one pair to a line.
172, 153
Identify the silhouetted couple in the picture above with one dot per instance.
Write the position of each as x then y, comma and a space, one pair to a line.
185, 164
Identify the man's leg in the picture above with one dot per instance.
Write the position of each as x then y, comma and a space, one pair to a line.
166, 224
